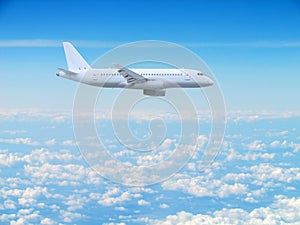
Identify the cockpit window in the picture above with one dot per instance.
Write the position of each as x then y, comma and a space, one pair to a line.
200, 74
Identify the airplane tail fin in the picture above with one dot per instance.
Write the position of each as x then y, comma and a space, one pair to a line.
74, 59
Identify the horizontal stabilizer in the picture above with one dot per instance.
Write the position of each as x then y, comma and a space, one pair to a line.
67, 71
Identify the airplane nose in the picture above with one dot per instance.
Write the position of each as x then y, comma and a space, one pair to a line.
209, 81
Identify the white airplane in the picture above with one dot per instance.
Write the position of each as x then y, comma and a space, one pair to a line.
153, 82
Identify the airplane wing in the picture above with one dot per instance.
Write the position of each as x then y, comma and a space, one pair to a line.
129, 75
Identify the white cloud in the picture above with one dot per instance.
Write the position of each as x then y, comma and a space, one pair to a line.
26, 216
252, 116
278, 144
296, 148
50, 142
19, 140
256, 156
266, 172
163, 206
120, 208
288, 154
143, 202
154, 157
204, 186
256, 145
60, 119
201, 141
62, 175
263, 175
30, 43
33, 115
29, 196
37, 156
116, 196
112, 44
275, 144
277, 133
68, 217
285, 144
114, 223
113, 197
47, 221
55, 43
9, 204
20, 221
234, 155
7, 217
237, 177
68, 143
12, 132
283, 211
75, 202
226, 190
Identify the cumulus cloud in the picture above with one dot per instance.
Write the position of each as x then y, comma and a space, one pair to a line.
266, 172
62, 175
117, 196
76, 202
143, 202
114, 196
163, 206
69, 217
9, 204
234, 155
285, 144
256, 156
43, 172
50, 142
204, 186
256, 145
19, 140
120, 208
47, 221
114, 223
36, 156
68, 143
283, 209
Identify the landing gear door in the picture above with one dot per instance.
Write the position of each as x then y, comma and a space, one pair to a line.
94, 76
186, 76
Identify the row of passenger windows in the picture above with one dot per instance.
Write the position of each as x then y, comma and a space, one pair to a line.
144, 74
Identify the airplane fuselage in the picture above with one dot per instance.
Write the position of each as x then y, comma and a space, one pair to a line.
157, 78
153, 82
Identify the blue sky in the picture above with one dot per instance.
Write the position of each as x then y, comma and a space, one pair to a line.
252, 47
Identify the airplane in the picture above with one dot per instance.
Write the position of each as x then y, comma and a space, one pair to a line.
153, 82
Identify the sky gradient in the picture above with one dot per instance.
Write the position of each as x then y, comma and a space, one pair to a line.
252, 47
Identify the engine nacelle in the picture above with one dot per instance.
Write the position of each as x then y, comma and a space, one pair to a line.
148, 85
161, 92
